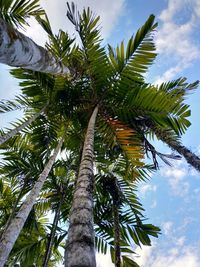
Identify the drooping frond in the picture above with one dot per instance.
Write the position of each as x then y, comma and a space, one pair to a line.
128, 141
16, 12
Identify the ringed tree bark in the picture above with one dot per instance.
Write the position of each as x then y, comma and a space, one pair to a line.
19, 128
80, 244
18, 50
13, 230
189, 156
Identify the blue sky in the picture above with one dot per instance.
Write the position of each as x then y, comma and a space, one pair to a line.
172, 196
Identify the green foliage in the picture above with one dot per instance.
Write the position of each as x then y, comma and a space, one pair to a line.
130, 112
139, 53
16, 12
133, 230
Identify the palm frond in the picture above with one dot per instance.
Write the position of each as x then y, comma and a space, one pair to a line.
138, 55
128, 141
97, 67
16, 12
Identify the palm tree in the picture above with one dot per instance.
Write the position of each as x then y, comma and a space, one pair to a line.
20, 127
175, 144
118, 215
111, 185
14, 13
30, 246
58, 190
58, 186
115, 88
11, 233
18, 50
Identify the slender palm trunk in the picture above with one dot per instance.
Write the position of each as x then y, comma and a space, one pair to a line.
12, 232
52, 234
19, 128
190, 157
116, 228
18, 50
14, 209
80, 250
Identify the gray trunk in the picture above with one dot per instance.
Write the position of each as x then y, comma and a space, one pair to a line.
19, 128
52, 234
18, 50
189, 156
80, 251
12, 232
116, 228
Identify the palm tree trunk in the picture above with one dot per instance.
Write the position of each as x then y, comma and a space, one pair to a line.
12, 232
190, 157
116, 235
18, 50
80, 243
14, 209
19, 128
52, 234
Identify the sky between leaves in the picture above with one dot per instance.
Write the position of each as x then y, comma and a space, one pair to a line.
172, 196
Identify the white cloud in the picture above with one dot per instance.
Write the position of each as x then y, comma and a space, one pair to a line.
174, 39
144, 254
185, 223
175, 172
189, 259
177, 256
144, 188
180, 241
109, 12
176, 179
167, 227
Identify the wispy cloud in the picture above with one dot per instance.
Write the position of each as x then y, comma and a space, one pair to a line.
167, 227
144, 254
145, 188
189, 259
109, 12
176, 178
178, 255
174, 38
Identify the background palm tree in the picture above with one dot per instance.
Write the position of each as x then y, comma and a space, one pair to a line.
13, 230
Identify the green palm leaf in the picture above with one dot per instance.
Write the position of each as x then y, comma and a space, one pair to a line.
16, 12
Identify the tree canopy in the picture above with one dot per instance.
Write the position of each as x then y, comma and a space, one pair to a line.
90, 118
